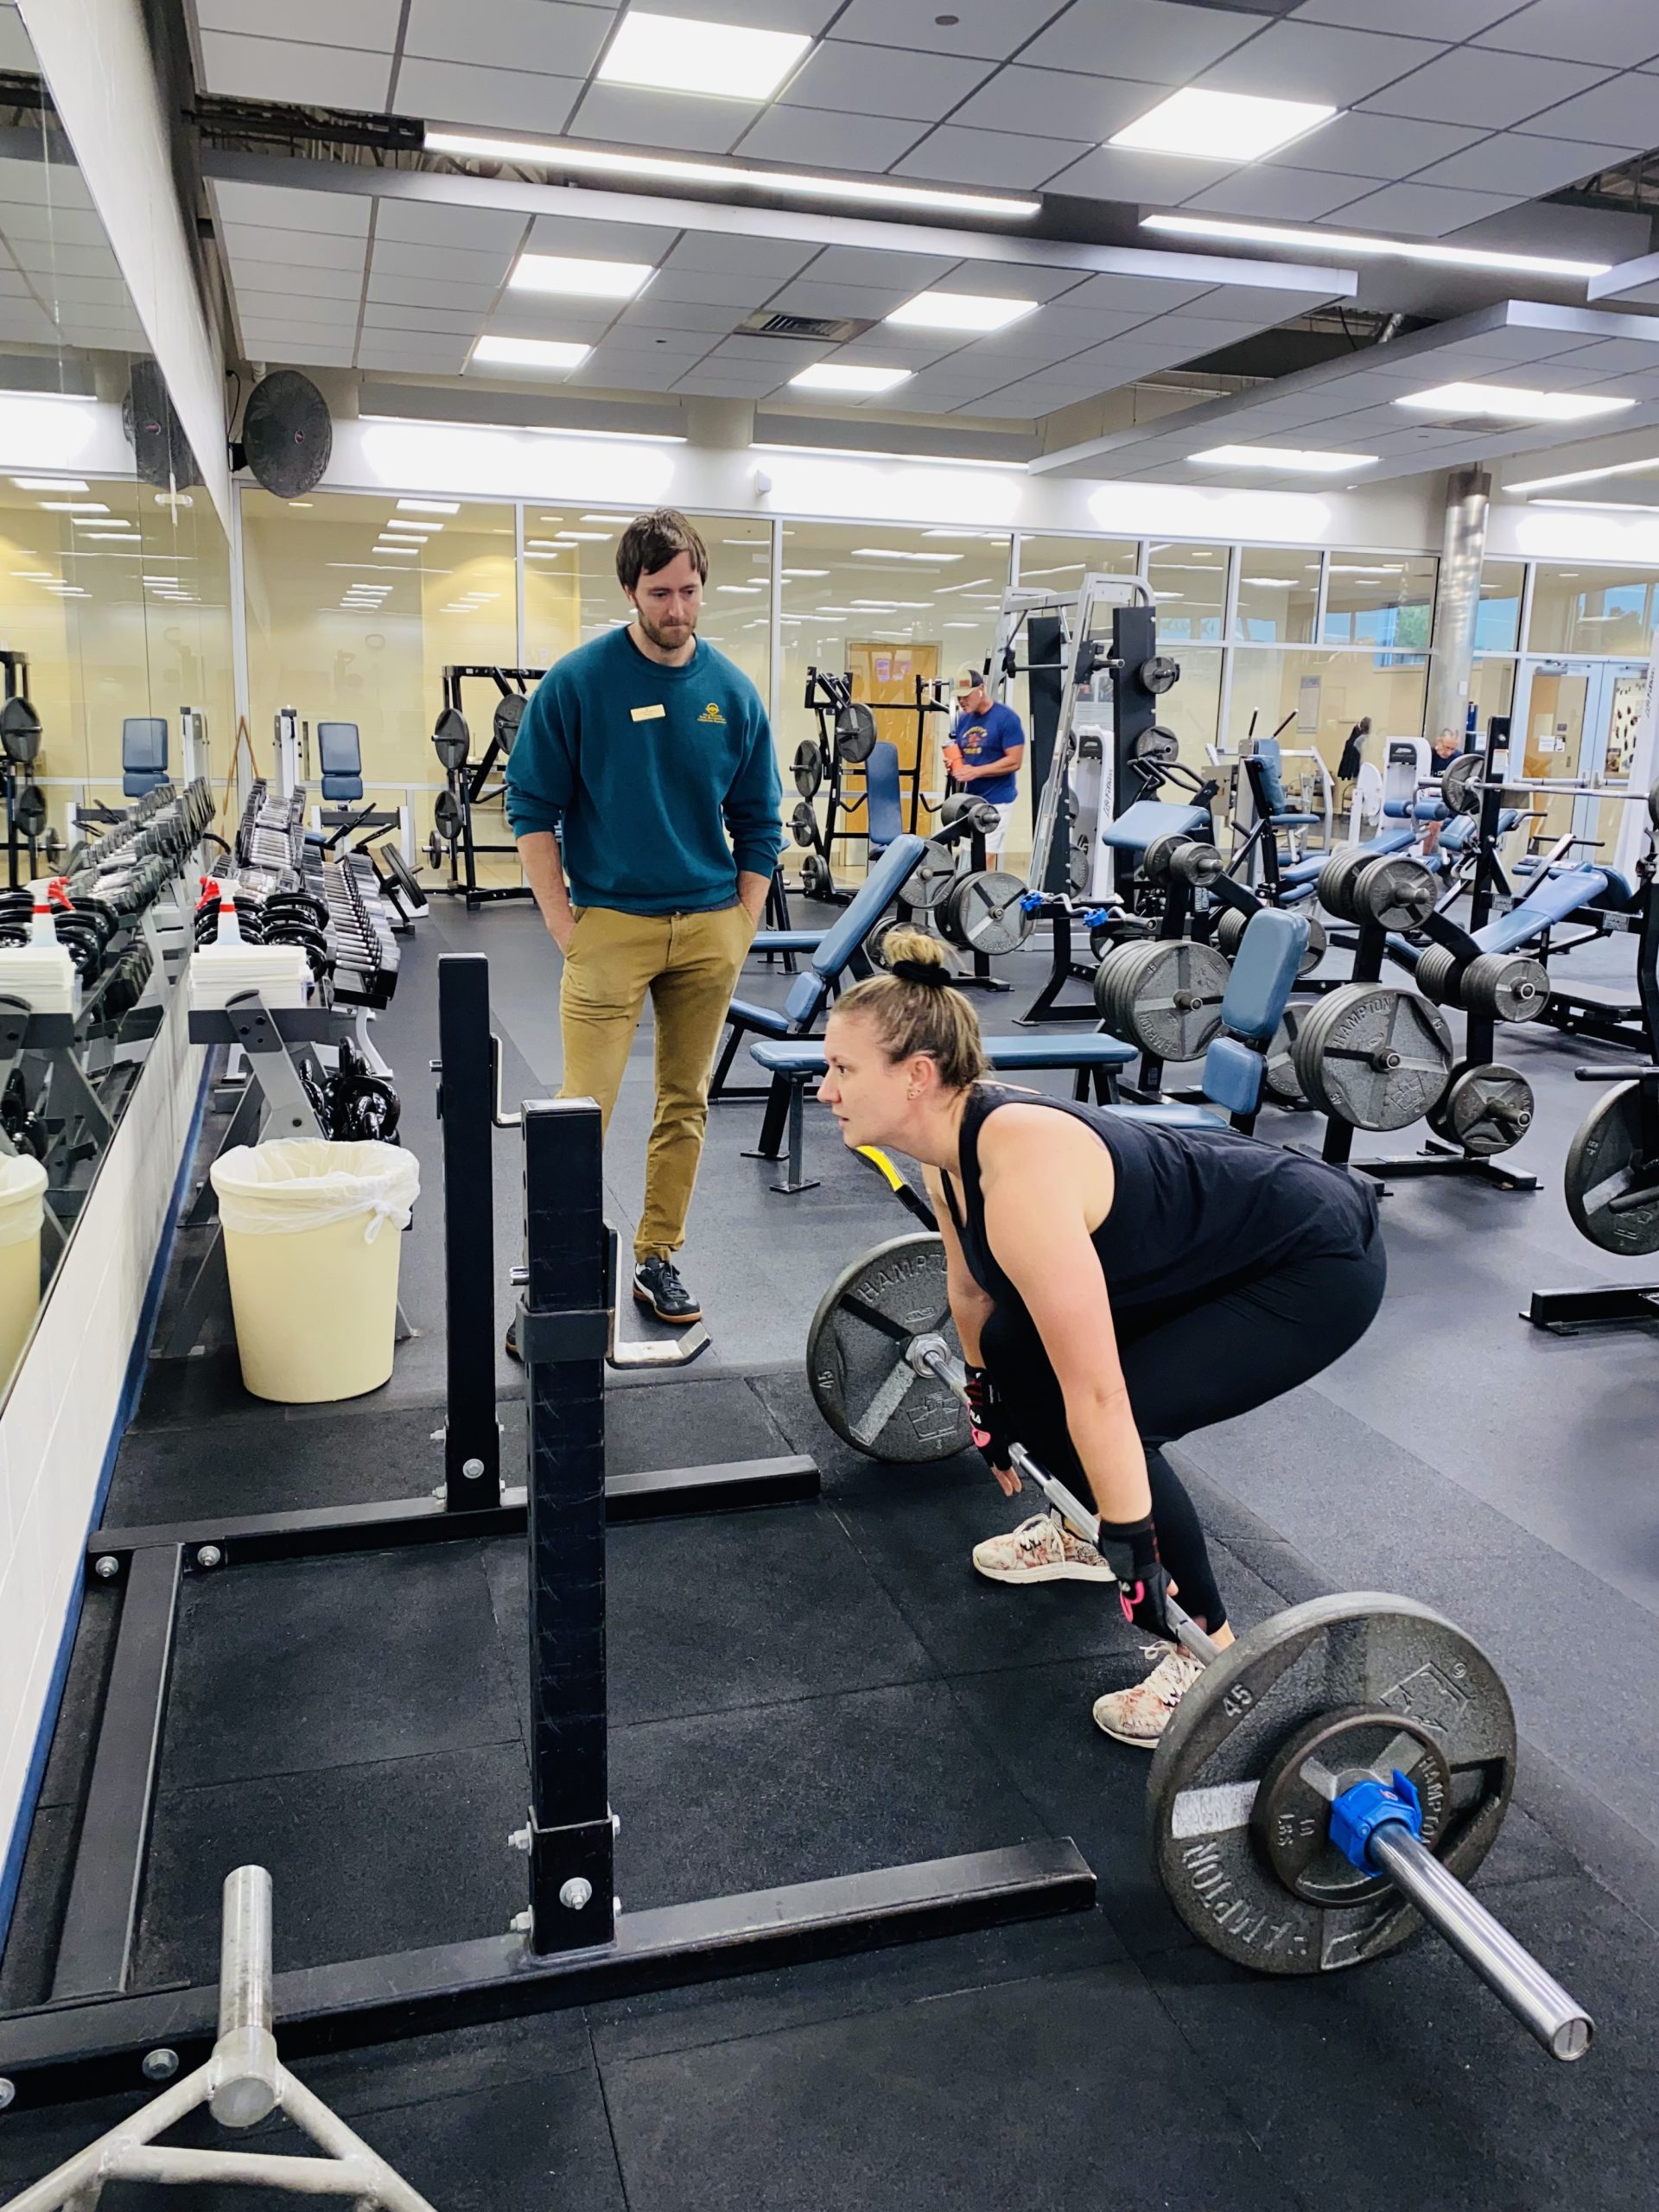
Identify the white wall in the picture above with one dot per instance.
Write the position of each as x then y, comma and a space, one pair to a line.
61, 1423
95, 58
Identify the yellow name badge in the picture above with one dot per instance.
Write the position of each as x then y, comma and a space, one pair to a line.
649, 714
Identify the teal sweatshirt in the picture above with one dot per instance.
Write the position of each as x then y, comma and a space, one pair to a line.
643, 771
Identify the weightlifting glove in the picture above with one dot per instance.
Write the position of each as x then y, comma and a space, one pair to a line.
988, 1416
1130, 1549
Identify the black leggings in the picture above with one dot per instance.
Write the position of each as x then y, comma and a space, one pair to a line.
1187, 1369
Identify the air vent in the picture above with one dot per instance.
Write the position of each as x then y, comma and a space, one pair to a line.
821, 329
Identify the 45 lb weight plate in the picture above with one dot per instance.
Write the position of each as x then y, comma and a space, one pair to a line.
856, 1364
1374, 1056
1163, 996
447, 816
983, 912
855, 733
808, 769
1612, 1175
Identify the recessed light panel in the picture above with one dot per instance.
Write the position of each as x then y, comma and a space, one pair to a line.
530, 353
1221, 126
568, 277
677, 54
1295, 461
971, 311
1511, 402
844, 376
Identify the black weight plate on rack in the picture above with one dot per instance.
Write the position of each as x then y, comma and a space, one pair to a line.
808, 769
1158, 674
1408, 1690
31, 810
855, 733
855, 1366
446, 817
803, 825
509, 713
936, 872
1612, 1181
1460, 784
1374, 1056
817, 880
1157, 744
983, 912
1509, 987
1485, 1109
1395, 892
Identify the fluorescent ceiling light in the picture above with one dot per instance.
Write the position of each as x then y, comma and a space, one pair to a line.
742, 588
612, 520
569, 277
1586, 476
429, 506
529, 353
51, 484
99, 522
1367, 568
894, 553
168, 583
585, 537
1269, 583
110, 537
412, 550
906, 459
1327, 243
786, 183
546, 545
974, 311
1512, 403
804, 572
74, 506
1296, 460
677, 54
1221, 126
38, 575
1605, 506
847, 376
421, 530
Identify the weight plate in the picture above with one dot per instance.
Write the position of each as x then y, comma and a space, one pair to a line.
1163, 996
808, 769
935, 873
1333, 887
1612, 1176
509, 713
1246, 1733
1280, 1084
983, 912
803, 824
1077, 862
1158, 745
1436, 975
452, 737
1485, 1109
979, 811
817, 880
434, 851
855, 733
855, 1354
1118, 929
1507, 987
1460, 784
447, 816
31, 810
1158, 674
1316, 948
1395, 892
1230, 932
1374, 1056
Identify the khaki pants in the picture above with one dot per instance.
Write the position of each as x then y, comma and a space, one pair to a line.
689, 964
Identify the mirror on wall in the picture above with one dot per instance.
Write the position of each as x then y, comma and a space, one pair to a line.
115, 690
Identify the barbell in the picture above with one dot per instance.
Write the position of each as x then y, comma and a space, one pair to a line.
1328, 1781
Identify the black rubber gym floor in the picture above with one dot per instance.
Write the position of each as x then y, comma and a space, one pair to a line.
811, 1689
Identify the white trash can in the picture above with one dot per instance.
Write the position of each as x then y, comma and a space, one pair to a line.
22, 1207
312, 1244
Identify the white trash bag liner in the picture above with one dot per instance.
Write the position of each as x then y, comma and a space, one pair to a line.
22, 1186
299, 1183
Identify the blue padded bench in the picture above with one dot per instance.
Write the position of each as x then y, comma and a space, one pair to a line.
1150, 818
1301, 876
1556, 897
1264, 974
809, 994
795, 1066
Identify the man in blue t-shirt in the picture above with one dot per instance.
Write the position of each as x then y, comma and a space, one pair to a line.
986, 746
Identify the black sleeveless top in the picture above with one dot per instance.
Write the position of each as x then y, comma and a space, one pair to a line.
1195, 1213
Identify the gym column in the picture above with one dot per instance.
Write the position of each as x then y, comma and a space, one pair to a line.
563, 1329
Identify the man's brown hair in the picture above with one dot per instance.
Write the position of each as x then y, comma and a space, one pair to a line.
650, 542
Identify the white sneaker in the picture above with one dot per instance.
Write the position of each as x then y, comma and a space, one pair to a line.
1140, 1715
1042, 1549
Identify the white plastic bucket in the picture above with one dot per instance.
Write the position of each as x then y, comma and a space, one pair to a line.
312, 1244
22, 1185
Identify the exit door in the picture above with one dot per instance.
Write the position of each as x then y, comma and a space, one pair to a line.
1576, 722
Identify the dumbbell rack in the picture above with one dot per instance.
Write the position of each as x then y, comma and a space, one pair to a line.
273, 1101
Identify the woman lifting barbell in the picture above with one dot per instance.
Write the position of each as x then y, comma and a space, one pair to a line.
1116, 1282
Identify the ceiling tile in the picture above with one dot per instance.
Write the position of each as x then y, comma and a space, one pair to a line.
378, 314
1151, 180
276, 208
483, 230
1614, 356
522, 314
41, 183
1420, 210
1009, 159
1045, 103
1313, 61
850, 264
51, 260
274, 69
247, 247
1473, 84
509, 100
1522, 168
1624, 112
1383, 146
595, 375
399, 286
725, 253
727, 290
22, 219
369, 24
1140, 296
594, 241
630, 117
811, 16
719, 384
304, 277
397, 257
545, 35
1158, 42
790, 354
864, 302
254, 306
826, 138
989, 29
1615, 31
401, 349
280, 343
1278, 195
651, 315
1452, 19
15, 50
882, 80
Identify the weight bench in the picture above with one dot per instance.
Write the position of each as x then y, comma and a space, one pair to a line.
799, 1064
1298, 878
1258, 991
811, 992
1552, 898
1149, 819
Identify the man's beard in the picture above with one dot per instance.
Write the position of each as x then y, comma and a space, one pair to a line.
665, 640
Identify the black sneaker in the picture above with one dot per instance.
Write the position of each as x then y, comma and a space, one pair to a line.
656, 1284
